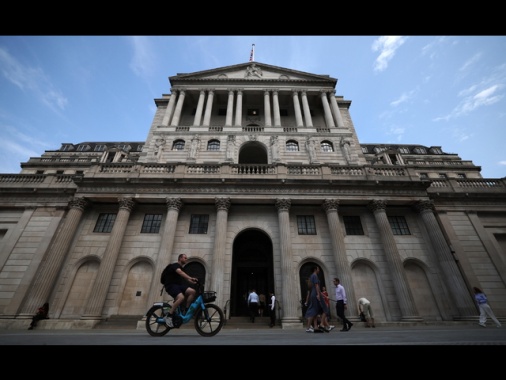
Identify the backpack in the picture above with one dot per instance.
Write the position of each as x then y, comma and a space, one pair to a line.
165, 275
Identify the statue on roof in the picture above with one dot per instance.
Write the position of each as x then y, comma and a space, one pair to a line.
253, 70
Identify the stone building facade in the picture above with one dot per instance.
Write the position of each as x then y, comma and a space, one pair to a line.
256, 173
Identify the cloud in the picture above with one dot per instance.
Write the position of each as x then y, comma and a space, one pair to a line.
143, 60
387, 46
32, 80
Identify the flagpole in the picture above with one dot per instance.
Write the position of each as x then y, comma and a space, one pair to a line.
252, 54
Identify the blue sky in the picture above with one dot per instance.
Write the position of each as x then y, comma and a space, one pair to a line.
445, 91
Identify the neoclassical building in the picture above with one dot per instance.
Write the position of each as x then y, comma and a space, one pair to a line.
257, 174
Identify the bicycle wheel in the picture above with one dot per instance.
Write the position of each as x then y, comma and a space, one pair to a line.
154, 325
212, 324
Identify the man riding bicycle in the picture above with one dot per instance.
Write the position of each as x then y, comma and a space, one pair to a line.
173, 278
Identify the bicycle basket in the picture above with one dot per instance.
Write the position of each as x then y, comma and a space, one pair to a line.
209, 296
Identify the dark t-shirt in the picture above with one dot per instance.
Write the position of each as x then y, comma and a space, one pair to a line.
172, 276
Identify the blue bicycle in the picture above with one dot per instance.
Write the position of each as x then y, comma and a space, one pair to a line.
209, 318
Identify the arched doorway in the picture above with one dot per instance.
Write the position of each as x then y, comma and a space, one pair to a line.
304, 273
253, 153
251, 268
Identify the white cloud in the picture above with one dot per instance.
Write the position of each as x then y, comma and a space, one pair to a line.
32, 80
387, 46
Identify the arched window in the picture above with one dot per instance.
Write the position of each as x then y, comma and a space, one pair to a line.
292, 146
213, 145
178, 145
327, 146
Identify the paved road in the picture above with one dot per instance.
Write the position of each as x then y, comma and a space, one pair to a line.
384, 336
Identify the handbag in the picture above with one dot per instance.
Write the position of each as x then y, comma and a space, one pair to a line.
362, 317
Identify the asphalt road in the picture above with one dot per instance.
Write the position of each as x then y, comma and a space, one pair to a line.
383, 336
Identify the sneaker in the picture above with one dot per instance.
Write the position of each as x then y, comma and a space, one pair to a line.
168, 320
310, 329
482, 324
330, 328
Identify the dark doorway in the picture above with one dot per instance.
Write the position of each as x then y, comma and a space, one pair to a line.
251, 269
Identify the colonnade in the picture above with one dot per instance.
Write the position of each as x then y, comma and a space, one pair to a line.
46, 278
303, 116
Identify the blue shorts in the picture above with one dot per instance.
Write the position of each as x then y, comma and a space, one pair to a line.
175, 289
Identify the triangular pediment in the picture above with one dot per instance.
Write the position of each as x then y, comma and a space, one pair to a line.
255, 71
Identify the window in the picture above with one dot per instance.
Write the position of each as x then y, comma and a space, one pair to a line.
327, 146
39, 172
306, 225
79, 172
420, 150
110, 157
139, 147
213, 145
461, 175
178, 145
253, 112
99, 148
424, 176
59, 172
67, 147
443, 176
105, 223
151, 223
198, 224
365, 150
353, 225
399, 225
222, 112
379, 149
283, 112
82, 148
292, 146
404, 150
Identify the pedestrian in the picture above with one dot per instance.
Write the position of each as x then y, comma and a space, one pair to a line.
272, 308
327, 300
261, 305
316, 305
485, 309
364, 306
253, 305
341, 304
42, 313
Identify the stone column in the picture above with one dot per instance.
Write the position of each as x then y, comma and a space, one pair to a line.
238, 109
174, 206
179, 107
102, 282
326, 110
267, 109
230, 109
46, 277
220, 239
335, 110
307, 112
209, 108
200, 107
170, 108
339, 247
288, 272
275, 106
443, 256
396, 269
296, 106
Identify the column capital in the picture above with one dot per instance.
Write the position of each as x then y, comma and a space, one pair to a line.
330, 205
174, 203
222, 204
283, 204
422, 206
126, 203
79, 203
377, 205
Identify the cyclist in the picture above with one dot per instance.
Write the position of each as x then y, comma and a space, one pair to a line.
175, 285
